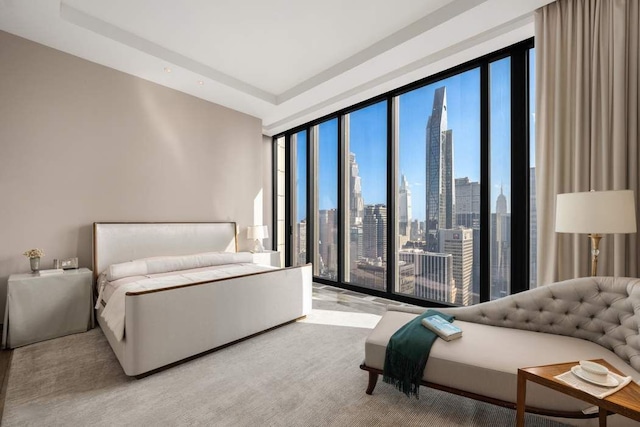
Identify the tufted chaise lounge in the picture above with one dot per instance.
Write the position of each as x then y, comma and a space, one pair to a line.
586, 318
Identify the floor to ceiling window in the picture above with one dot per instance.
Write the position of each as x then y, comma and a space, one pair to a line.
325, 141
298, 144
364, 136
533, 229
411, 191
500, 170
438, 196
280, 166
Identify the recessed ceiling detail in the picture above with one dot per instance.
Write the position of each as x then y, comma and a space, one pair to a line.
284, 61
112, 32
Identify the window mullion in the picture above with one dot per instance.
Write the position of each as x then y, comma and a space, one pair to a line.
485, 186
392, 191
519, 172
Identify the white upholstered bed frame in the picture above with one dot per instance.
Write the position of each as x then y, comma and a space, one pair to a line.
166, 326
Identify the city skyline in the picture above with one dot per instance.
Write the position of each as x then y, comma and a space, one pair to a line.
448, 274
368, 133
440, 233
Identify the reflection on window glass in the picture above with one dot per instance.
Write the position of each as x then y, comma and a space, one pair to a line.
438, 194
299, 145
365, 139
326, 251
500, 170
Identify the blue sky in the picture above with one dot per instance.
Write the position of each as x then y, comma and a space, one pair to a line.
368, 140
301, 168
500, 130
463, 117
532, 106
328, 164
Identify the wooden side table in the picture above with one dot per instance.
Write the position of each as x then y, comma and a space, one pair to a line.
44, 307
625, 401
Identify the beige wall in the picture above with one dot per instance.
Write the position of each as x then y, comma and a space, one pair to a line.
80, 143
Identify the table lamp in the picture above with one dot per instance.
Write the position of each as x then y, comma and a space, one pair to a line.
257, 233
596, 213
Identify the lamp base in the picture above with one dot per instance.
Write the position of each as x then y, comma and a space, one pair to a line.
257, 247
595, 243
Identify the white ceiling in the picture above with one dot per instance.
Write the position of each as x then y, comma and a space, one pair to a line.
283, 61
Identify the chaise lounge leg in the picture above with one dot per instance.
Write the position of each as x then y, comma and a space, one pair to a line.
373, 379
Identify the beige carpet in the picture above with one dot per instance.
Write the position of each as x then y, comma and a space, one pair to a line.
303, 374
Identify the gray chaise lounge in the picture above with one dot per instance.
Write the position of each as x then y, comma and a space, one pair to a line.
586, 318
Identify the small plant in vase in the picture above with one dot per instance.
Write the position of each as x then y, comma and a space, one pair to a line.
34, 256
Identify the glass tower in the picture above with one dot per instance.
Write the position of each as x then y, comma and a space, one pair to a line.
440, 203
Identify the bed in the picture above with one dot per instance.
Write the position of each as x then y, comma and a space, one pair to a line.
163, 325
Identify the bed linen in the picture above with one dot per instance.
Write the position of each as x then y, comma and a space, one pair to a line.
105, 288
168, 264
113, 293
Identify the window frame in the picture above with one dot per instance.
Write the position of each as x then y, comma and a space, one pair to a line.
520, 96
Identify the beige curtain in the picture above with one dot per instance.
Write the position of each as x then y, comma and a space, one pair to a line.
587, 60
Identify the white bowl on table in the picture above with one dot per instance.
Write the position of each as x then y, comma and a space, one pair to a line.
594, 373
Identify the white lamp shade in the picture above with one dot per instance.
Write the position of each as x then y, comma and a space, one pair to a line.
257, 232
596, 212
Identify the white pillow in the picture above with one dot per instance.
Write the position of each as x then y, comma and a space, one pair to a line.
156, 265
126, 269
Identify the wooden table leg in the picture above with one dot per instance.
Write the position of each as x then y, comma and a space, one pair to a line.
522, 397
602, 416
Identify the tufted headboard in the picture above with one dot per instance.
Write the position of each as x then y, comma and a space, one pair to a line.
605, 310
115, 242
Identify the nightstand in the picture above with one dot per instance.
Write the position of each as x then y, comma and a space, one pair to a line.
272, 258
44, 307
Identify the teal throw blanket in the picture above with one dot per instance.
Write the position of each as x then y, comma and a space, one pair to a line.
407, 354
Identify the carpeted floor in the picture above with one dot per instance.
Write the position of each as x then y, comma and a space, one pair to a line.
302, 374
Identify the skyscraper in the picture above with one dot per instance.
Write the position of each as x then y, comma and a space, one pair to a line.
501, 203
459, 243
356, 212
467, 203
375, 232
468, 215
440, 203
433, 274
416, 232
356, 202
328, 247
404, 208
300, 245
500, 248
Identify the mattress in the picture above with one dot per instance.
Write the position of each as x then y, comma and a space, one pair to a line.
110, 287
113, 293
